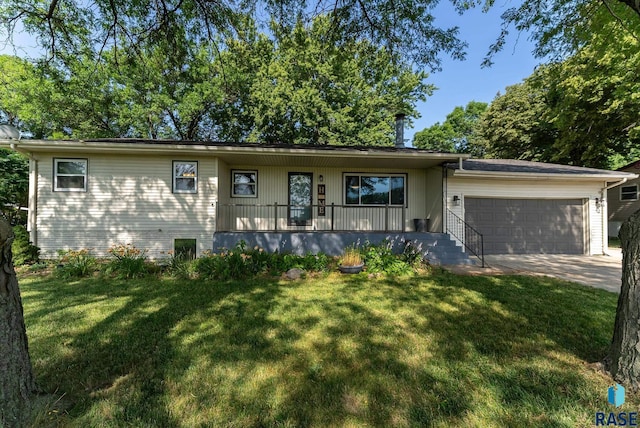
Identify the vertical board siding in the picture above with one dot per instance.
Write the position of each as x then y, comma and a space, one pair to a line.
541, 189
272, 188
129, 199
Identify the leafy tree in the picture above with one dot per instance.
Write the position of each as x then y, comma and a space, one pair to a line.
514, 125
593, 103
14, 186
581, 111
457, 133
406, 29
25, 97
316, 90
302, 86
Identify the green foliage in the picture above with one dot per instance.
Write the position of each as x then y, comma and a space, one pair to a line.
457, 134
381, 259
580, 111
75, 264
315, 89
14, 185
301, 84
514, 125
73, 29
242, 262
24, 252
181, 267
126, 261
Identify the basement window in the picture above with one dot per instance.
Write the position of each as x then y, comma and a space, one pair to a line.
184, 249
629, 193
70, 175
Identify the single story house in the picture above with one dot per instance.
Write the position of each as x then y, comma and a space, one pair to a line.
623, 200
160, 194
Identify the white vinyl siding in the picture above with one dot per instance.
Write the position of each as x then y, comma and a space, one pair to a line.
420, 187
129, 199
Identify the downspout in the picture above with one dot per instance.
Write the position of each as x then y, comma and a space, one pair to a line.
604, 217
32, 213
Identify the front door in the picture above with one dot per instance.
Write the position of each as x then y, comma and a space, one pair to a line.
300, 198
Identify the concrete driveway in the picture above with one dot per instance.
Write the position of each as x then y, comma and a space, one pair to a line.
596, 271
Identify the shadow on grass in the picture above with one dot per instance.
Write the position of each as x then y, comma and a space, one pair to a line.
339, 351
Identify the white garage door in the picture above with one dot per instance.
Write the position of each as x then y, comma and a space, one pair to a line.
528, 226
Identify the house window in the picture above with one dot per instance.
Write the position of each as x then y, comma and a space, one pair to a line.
184, 249
185, 177
244, 184
629, 193
369, 189
70, 175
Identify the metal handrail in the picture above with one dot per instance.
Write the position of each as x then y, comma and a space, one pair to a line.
470, 238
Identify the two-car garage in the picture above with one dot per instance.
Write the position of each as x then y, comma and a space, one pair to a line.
528, 226
523, 207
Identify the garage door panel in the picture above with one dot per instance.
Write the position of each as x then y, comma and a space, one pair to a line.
527, 226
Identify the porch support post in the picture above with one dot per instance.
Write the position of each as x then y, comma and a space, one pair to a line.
275, 217
386, 217
404, 219
333, 204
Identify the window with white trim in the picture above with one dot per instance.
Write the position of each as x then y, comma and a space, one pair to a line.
244, 184
375, 189
629, 193
70, 175
185, 177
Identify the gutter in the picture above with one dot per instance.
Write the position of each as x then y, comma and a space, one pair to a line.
536, 176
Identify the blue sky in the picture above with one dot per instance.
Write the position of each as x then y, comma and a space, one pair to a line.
462, 81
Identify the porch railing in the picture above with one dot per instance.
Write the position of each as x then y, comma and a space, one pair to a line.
280, 217
469, 237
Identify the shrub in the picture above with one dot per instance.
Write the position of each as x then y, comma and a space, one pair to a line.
242, 262
24, 252
380, 259
181, 265
127, 261
75, 263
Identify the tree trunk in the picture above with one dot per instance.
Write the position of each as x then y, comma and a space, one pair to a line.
17, 384
623, 361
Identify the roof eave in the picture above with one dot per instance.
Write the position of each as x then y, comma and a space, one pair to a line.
169, 148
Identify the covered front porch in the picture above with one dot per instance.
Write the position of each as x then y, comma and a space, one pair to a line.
330, 189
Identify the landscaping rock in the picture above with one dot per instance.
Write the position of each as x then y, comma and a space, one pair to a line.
294, 273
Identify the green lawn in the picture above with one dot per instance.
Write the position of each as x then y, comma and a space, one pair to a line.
434, 350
